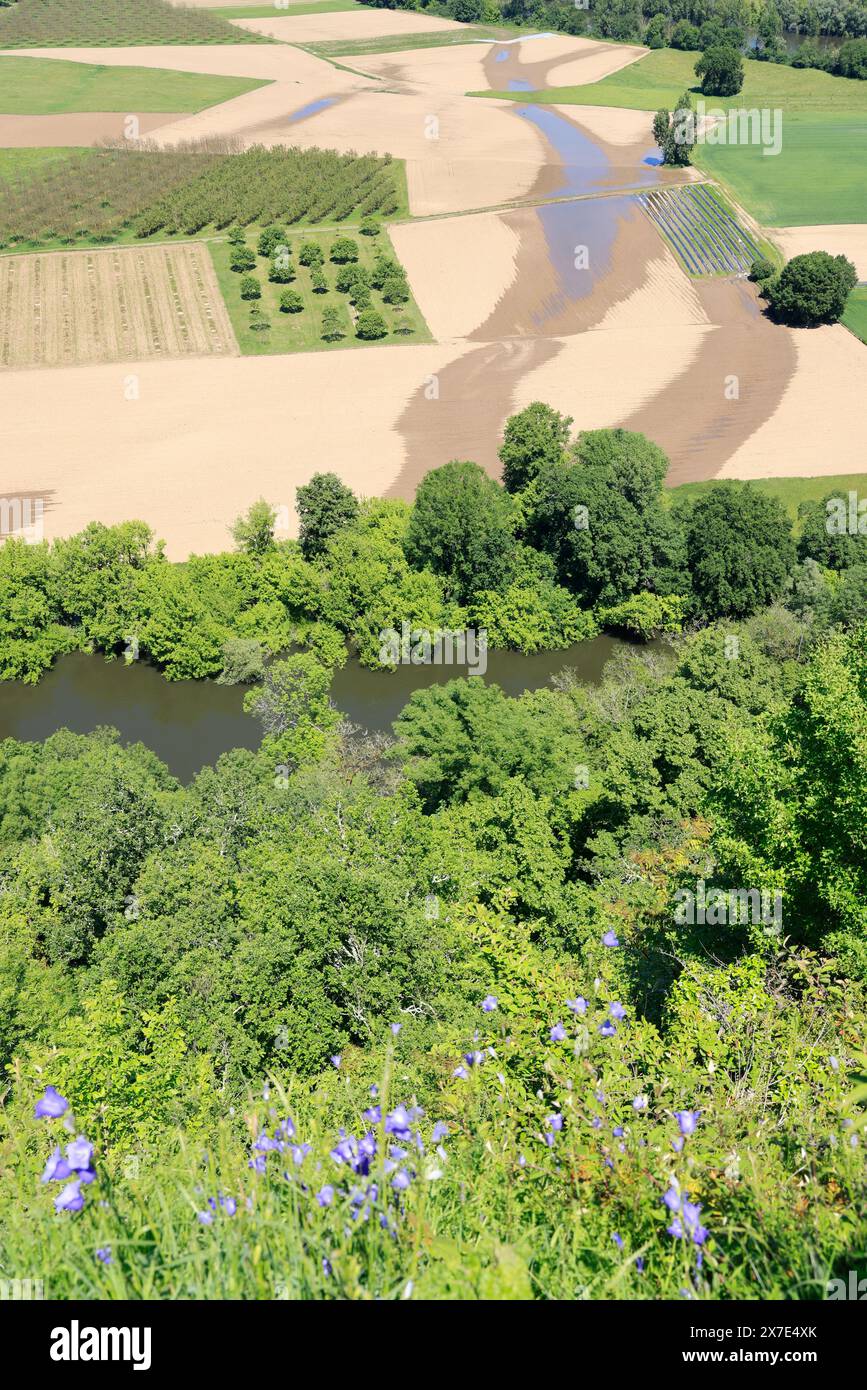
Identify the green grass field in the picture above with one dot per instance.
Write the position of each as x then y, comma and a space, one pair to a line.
790, 491
855, 317
272, 12
302, 332
398, 43
818, 175
46, 86
659, 79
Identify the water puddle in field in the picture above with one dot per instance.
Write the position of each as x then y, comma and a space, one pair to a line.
188, 724
311, 109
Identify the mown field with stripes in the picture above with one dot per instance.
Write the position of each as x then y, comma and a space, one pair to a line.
704, 235
114, 305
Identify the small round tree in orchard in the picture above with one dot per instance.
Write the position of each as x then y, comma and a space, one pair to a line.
241, 258
344, 250
291, 302
370, 325
250, 287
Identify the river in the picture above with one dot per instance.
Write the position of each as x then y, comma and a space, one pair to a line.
188, 724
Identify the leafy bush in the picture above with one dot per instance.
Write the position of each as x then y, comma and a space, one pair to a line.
291, 302
251, 288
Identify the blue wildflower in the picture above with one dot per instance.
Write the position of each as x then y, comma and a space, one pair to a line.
103, 1254
489, 1003
609, 939
70, 1199
557, 1033
607, 1029
578, 1006
51, 1105
687, 1120
325, 1195
56, 1169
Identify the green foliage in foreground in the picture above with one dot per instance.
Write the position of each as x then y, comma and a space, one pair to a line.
567, 1050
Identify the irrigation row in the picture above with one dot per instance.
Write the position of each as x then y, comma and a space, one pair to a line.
706, 237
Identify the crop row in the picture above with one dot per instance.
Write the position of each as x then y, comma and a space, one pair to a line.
276, 185
100, 23
705, 237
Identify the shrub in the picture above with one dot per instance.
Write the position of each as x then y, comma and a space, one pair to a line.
250, 288
370, 324
281, 271
369, 226
761, 269
656, 33
348, 276
332, 324
270, 239
360, 296
318, 282
311, 253
852, 59
685, 36
242, 258
291, 302
395, 290
344, 250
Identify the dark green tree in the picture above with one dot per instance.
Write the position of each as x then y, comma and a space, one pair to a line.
534, 437
325, 506
721, 70
812, 289
740, 550
462, 528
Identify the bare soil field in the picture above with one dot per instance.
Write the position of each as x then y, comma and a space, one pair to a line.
845, 239
113, 305
459, 268
206, 437
346, 24
463, 67
74, 128
274, 62
819, 425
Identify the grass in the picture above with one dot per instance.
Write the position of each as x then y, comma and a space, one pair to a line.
790, 491
46, 86
301, 332
398, 43
113, 23
855, 317
660, 77
816, 178
273, 12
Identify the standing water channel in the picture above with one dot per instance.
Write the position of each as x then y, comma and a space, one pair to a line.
188, 724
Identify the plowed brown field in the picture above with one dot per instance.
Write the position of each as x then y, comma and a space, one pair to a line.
123, 304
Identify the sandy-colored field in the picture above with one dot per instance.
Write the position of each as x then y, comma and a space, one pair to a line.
612, 125
845, 239
74, 128
205, 438
274, 62
346, 24
462, 67
112, 305
459, 268
820, 425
